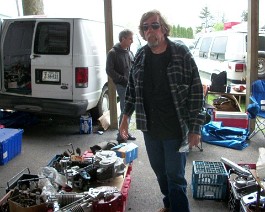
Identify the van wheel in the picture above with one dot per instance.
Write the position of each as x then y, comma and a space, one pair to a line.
103, 104
261, 65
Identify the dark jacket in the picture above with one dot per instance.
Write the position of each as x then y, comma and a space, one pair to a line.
185, 86
119, 63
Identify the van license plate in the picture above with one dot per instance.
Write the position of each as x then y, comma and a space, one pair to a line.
51, 76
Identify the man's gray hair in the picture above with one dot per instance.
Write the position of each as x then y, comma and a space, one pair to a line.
124, 34
162, 22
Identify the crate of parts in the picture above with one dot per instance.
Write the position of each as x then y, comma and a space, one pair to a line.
209, 180
10, 144
240, 185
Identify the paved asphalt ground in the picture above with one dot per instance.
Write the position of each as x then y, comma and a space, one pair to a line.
41, 142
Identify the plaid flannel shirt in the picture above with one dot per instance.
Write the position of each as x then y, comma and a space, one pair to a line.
185, 86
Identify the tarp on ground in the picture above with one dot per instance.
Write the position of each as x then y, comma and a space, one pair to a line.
231, 137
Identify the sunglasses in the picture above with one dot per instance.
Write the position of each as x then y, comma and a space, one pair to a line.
153, 25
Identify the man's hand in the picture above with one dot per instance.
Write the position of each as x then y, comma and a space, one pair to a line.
193, 139
124, 127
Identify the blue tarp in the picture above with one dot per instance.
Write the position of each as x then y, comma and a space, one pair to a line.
232, 137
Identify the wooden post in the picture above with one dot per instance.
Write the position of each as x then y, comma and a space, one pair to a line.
109, 45
252, 50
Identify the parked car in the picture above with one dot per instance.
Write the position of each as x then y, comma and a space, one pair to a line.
215, 52
187, 41
54, 66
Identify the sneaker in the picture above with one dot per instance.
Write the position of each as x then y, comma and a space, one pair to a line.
164, 210
131, 137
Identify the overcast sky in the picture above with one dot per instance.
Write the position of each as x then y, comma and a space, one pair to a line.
128, 12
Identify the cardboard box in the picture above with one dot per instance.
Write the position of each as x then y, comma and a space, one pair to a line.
86, 126
16, 207
128, 151
4, 201
10, 144
232, 119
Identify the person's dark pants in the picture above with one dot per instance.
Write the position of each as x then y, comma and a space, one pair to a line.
121, 92
169, 167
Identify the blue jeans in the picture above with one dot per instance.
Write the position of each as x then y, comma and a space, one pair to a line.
169, 167
121, 92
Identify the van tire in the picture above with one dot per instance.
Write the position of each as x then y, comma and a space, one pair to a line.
103, 104
261, 65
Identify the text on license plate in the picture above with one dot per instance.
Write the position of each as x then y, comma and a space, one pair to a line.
51, 76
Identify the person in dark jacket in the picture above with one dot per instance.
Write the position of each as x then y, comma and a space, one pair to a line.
119, 62
166, 93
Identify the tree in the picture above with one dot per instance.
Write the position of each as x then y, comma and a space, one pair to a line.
181, 32
223, 18
206, 17
33, 7
198, 29
190, 33
173, 31
218, 26
244, 15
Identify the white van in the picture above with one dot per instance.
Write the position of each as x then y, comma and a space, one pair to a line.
226, 50
54, 66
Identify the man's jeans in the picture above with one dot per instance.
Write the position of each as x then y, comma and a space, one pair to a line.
169, 167
121, 92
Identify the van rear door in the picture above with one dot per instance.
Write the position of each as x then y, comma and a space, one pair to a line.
52, 59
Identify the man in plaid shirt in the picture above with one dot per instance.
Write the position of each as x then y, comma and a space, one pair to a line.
165, 91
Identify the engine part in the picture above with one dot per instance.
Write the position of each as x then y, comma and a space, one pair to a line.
236, 167
86, 201
109, 164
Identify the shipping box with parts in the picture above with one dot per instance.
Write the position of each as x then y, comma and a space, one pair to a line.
128, 151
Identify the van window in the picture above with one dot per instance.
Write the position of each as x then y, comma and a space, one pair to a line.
52, 38
18, 39
219, 48
261, 44
204, 50
16, 56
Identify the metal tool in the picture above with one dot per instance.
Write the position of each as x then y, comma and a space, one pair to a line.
236, 167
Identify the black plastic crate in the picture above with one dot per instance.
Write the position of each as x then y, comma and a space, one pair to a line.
233, 199
54, 160
23, 178
209, 180
235, 194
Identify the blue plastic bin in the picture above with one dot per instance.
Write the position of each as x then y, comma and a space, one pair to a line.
209, 180
10, 144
